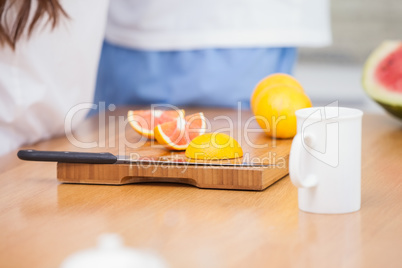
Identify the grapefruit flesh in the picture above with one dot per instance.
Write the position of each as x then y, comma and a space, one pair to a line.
144, 121
177, 134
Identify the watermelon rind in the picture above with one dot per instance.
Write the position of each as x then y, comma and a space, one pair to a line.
389, 100
395, 110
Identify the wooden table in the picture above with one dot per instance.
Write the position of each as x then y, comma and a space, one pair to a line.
43, 221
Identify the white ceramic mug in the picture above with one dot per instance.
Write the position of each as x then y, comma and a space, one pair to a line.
325, 159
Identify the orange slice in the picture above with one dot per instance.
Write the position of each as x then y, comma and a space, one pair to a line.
177, 134
144, 121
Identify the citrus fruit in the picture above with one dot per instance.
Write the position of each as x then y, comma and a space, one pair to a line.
214, 146
275, 110
273, 80
144, 121
382, 76
177, 134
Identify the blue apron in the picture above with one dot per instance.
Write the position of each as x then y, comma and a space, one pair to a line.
206, 77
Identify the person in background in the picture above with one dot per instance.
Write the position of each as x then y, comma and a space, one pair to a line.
202, 52
193, 52
49, 53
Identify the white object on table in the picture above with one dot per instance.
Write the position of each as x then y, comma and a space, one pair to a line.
110, 252
325, 159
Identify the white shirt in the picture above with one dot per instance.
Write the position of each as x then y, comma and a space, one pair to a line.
197, 24
49, 74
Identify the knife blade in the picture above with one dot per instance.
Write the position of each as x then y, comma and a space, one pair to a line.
108, 158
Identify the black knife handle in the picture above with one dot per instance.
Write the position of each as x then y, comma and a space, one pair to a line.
67, 157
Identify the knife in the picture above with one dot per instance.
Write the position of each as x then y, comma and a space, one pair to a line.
108, 158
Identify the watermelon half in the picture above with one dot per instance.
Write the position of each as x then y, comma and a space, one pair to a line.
382, 76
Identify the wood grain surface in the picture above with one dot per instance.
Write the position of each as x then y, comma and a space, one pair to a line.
270, 157
212, 177
43, 221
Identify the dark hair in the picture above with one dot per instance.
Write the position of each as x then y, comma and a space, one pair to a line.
11, 29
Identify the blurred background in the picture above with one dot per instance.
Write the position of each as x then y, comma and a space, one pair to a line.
334, 73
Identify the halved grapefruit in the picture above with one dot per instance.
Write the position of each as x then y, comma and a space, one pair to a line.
382, 76
144, 121
177, 134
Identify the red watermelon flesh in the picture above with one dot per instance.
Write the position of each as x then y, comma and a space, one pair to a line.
389, 71
382, 76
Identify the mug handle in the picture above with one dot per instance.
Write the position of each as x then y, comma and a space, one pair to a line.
310, 180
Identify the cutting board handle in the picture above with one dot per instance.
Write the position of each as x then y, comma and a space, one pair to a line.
67, 157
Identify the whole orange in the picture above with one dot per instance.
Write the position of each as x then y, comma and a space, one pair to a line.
275, 109
270, 81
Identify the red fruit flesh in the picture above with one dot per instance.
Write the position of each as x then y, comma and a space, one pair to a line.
389, 71
149, 120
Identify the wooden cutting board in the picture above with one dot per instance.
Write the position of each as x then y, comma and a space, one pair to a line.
257, 147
